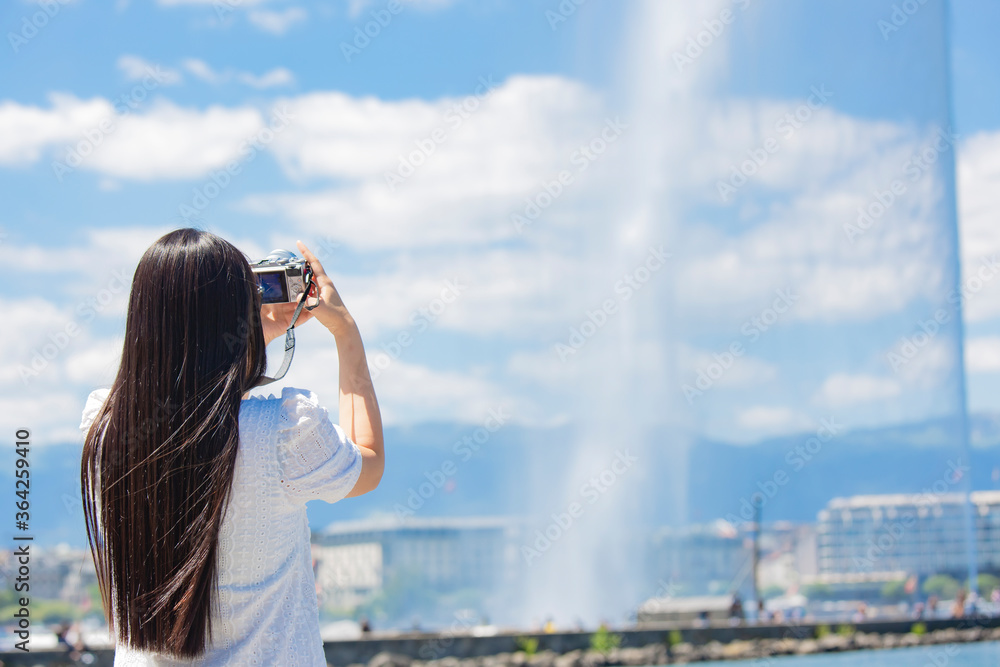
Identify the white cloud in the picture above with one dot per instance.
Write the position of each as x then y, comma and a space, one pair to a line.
816, 182
979, 202
201, 70
982, 355
743, 371
278, 76
771, 419
166, 142
463, 192
842, 389
136, 69
171, 142
277, 22
355, 7
96, 365
26, 130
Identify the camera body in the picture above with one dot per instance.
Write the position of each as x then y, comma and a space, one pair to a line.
281, 276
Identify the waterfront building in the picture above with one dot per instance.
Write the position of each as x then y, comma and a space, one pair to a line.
921, 534
356, 559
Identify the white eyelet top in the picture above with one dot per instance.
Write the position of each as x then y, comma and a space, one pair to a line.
290, 452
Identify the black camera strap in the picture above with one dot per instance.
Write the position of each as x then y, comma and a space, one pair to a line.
290, 338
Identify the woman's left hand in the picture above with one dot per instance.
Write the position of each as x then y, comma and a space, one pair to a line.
275, 318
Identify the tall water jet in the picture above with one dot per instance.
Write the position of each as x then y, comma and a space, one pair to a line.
796, 161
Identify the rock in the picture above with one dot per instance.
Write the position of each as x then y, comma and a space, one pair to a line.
807, 646
386, 659
654, 654
834, 643
713, 650
682, 650
787, 646
542, 659
571, 659
592, 659
738, 650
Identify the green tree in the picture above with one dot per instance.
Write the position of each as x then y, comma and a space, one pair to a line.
987, 583
941, 585
604, 640
894, 591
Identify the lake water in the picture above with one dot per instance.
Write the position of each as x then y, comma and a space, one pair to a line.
976, 654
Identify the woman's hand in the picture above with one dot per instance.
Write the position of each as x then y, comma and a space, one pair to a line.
332, 313
275, 318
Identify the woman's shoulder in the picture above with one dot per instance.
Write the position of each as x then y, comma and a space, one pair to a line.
294, 406
290, 398
94, 402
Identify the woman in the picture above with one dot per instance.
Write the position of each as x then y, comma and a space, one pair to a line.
194, 493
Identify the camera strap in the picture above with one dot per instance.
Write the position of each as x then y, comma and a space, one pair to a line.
290, 338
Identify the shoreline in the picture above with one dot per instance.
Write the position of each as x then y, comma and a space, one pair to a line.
644, 647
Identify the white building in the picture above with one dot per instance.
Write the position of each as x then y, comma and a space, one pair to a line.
356, 559
921, 534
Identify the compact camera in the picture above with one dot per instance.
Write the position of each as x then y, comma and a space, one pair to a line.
281, 276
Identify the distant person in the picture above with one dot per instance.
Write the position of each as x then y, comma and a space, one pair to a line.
366, 627
762, 615
194, 494
932, 603
736, 610
958, 606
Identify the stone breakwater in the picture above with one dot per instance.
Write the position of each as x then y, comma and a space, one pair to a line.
686, 652
639, 647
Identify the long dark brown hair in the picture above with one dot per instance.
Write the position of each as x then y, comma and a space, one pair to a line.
159, 459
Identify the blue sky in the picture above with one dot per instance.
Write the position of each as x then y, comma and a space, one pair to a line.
554, 87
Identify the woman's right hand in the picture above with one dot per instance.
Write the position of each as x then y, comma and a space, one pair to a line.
331, 311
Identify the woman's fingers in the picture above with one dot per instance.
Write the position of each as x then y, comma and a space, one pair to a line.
311, 258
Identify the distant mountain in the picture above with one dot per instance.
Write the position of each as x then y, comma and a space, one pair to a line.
512, 473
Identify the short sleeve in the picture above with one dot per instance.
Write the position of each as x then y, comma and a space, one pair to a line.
93, 405
316, 459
